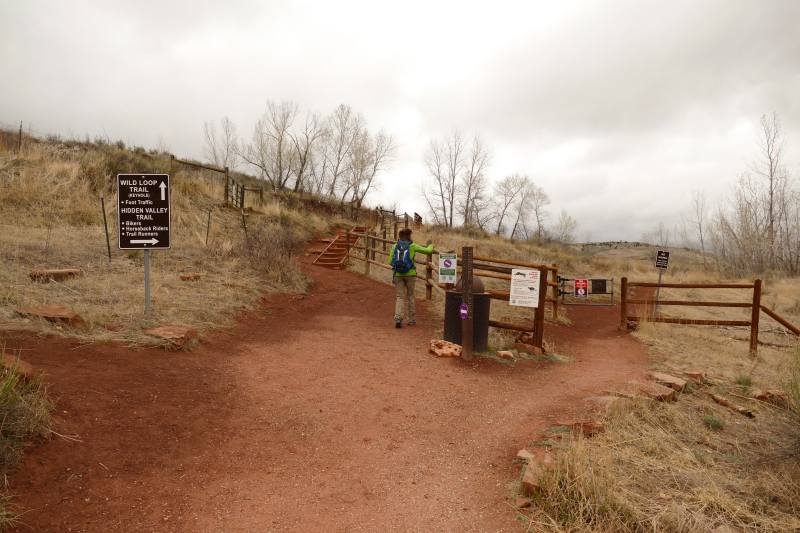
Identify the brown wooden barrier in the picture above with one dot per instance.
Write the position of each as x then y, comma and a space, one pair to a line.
755, 305
495, 271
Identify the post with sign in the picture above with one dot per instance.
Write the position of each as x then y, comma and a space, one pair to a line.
662, 262
466, 309
143, 218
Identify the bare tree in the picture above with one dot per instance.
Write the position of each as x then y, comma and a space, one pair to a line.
769, 164
537, 203
304, 143
471, 196
271, 149
506, 194
694, 223
370, 155
444, 161
344, 129
564, 230
220, 148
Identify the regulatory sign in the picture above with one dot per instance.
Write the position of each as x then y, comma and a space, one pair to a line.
447, 268
662, 259
582, 288
524, 288
143, 215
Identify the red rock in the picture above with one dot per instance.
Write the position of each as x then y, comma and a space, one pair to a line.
445, 349
190, 277
697, 377
527, 348
637, 389
669, 381
58, 275
524, 454
179, 336
538, 478
773, 396
25, 369
609, 403
526, 337
505, 354
586, 427
522, 503
55, 313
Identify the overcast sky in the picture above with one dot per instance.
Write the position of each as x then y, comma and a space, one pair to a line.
618, 109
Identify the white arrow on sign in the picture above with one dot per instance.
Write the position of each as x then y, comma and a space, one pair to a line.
149, 241
163, 187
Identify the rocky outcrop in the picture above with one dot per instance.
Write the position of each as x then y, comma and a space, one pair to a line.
55, 313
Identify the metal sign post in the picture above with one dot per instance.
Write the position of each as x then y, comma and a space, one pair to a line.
662, 263
143, 218
466, 299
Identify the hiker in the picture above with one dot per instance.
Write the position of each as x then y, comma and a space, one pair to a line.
404, 275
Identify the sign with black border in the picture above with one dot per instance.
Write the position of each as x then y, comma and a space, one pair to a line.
662, 259
143, 212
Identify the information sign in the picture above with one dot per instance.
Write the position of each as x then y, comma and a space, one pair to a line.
143, 213
581, 288
447, 268
524, 288
662, 259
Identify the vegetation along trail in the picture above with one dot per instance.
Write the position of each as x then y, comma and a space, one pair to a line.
313, 414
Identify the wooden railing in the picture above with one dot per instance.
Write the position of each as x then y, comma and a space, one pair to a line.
370, 248
754, 304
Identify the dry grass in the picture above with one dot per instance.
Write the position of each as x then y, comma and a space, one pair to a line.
52, 218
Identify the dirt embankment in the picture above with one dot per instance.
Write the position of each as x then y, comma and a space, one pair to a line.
313, 414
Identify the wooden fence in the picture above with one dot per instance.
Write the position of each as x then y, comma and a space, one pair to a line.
371, 249
754, 305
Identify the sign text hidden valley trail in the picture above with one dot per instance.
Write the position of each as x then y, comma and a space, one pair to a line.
143, 211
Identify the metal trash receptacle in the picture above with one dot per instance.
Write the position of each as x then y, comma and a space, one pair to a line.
480, 317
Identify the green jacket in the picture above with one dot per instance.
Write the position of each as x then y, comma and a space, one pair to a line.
414, 248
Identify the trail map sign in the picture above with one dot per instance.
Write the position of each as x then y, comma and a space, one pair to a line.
524, 288
662, 259
143, 214
447, 268
581, 289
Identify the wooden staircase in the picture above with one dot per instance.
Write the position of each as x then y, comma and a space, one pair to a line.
334, 254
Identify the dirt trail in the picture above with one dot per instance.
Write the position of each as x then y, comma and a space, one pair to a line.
314, 414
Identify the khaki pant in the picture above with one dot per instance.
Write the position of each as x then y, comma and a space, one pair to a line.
405, 289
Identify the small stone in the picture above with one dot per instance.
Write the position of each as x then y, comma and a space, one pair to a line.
190, 277
773, 396
25, 369
524, 454
522, 503
179, 336
527, 348
538, 477
609, 403
445, 349
697, 377
586, 427
672, 382
505, 354
55, 313
57, 275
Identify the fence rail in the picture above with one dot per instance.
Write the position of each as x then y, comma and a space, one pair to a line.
754, 304
370, 249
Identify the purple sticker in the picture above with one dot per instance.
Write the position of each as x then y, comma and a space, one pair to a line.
447, 263
463, 311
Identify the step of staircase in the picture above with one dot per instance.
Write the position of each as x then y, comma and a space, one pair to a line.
334, 255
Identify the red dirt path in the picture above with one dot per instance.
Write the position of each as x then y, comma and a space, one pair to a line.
313, 414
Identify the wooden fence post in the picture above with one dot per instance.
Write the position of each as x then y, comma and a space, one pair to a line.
366, 253
406, 219
347, 246
538, 326
394, 220
754, 318
623, 320
555, 291
428, 275
227, 190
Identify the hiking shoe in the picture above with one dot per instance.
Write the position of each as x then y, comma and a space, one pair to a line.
412, 323
398, 323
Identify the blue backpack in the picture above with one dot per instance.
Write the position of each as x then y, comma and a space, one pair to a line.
401, 263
